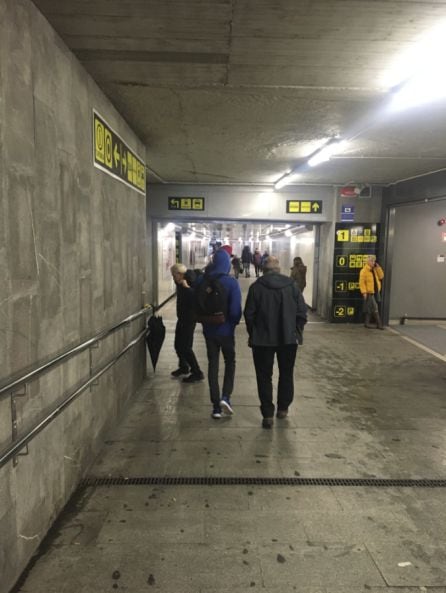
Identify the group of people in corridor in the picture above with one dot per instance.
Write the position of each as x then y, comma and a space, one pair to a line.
275, 314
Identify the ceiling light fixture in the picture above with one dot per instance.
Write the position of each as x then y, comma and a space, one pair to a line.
321, 155
324, 154
415, 77
286, 179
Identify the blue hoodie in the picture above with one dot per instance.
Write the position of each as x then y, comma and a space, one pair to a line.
221, 264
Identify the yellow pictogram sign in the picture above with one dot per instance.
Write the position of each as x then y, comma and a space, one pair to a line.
343, 235
112, 155
179, 203
304, 207
341, 311
356, 234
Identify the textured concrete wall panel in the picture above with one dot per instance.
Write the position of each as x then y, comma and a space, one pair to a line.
18, 100
42, 466
51, 336
20, 224
70, 294
7, 521
67, 185
5, 426
46, 161
19, 336
85, 305
72, 262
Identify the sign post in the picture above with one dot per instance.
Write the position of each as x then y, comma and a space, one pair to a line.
354, 242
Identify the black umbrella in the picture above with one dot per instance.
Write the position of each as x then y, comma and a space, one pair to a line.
156, 333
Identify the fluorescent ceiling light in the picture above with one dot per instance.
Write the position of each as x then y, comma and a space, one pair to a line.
417, 75
423, 88
428, 51
286, 180
325, 153
288, 233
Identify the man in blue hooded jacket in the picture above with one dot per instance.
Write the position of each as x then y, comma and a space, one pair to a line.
221, 337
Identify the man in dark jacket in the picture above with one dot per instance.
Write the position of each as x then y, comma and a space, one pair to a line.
184, 331
275, 314
221, 337
246, 260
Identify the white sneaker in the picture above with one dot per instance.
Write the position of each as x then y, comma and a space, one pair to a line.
226, 405
216, 412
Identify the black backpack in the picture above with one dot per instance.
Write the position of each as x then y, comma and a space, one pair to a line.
212, 301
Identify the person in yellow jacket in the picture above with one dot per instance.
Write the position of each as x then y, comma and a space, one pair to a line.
370, 286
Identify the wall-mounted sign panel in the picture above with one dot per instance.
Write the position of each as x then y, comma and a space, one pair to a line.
353, 244
304, 206
112, 155
178, 203
347, 213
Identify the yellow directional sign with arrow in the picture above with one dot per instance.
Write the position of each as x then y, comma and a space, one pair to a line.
304, 206
112, 155
182, 203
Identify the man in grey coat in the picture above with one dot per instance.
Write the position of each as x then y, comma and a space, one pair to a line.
275, 315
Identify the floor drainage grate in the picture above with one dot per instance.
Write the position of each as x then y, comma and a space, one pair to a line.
219, 481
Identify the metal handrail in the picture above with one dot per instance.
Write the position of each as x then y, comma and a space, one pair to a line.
16, 446
169, 298
12, 385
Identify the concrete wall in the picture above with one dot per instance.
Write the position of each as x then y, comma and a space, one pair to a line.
72, 262
415, 258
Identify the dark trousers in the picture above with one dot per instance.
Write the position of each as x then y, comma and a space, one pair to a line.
263, 363
184, 339
227, 345
258, 269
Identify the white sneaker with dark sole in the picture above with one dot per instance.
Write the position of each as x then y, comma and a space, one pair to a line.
226, 406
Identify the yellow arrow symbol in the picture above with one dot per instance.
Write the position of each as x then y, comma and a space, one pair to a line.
175, 203
116, 155
315, 206
124, 162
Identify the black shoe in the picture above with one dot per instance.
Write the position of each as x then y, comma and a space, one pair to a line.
282, 413
179, 372
194, 378
267, 423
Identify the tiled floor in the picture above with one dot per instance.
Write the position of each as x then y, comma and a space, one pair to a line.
368, 403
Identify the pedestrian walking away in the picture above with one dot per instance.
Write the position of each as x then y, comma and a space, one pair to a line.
299, 273
246, 260
275, 315
235, 262
257, 261
185, 327
370, 286
218, 298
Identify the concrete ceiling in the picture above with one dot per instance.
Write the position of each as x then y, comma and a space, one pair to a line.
240, 91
